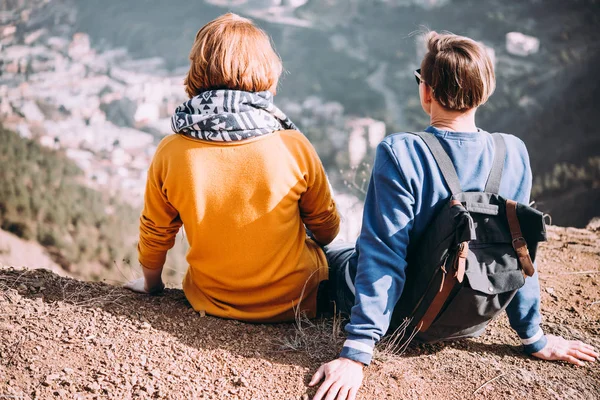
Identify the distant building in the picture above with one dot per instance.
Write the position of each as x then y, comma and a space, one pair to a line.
34, 36
80, 46
365, 135
522, 45
351, 209
32, 112
427, 4
293, 3
9, 30
57, 43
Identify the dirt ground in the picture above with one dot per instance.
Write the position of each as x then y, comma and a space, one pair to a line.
63, 338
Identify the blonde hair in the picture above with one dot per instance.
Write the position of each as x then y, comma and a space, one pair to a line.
231, 52
459, 70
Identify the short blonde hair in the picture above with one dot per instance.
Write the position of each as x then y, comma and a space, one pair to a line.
231, 52
459, 70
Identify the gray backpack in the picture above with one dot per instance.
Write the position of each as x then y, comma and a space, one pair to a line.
474, 256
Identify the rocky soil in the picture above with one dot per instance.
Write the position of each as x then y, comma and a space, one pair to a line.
63, 338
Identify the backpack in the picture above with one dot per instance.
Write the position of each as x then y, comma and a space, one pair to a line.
471, 260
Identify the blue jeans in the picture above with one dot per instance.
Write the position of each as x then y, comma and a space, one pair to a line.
339, 289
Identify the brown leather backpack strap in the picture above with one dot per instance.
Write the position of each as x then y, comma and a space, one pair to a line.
454, 203
461, 261
448, 283
449, 280
518, 241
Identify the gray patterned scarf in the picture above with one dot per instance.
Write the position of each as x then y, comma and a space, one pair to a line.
229, 116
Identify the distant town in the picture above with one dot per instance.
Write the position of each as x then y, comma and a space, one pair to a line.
108, 111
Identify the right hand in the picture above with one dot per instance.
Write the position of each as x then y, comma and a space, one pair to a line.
343, 378
571, 351
140, 286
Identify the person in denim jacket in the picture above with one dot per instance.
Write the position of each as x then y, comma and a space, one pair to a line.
405, 193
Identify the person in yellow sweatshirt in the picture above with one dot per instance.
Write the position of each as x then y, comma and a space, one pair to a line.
245, 184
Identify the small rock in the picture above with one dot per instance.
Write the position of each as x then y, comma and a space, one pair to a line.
148, 388
68, 371
145, 325
240, 381
37, 284
550, 290
49, 379
92, 387
143, 359
155, 373
52, 377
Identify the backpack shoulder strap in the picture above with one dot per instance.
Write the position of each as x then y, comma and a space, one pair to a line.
493, 182
443, 161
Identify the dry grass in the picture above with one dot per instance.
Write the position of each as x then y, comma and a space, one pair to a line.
314, 337
395, 344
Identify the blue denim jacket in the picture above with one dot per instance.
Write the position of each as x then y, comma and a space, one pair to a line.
405, 193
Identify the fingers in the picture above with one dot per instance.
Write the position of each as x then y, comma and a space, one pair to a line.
352, 394
589, 346
333, 392
316, 378
582, 351
587, 349
323, 389
572, 360
136, 285
343, 393
582, 356
590, 352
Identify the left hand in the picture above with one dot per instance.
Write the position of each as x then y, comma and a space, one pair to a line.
140, 286
572, 351
343, 378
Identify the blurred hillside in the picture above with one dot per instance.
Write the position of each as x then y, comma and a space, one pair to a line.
87, 233
361, 54
88, 87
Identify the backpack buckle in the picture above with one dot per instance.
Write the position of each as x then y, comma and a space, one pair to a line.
520, 246
519, 242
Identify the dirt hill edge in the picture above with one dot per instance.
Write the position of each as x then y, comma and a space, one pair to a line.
64, 338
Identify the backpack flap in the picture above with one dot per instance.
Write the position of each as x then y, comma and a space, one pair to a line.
493, 269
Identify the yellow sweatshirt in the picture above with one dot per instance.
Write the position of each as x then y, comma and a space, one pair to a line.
244, 206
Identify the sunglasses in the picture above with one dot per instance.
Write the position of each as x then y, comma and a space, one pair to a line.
418, 76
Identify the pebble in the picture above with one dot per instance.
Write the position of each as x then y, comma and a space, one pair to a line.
155, 373
92, 387
240, 381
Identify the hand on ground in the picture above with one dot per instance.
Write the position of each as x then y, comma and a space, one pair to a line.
343, 378
139, 286
572, 351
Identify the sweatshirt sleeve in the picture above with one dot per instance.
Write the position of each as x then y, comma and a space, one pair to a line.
387, 221
317, 208
159, 222
524, 309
